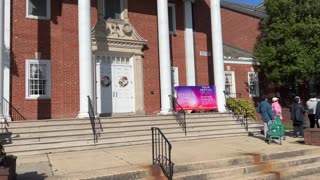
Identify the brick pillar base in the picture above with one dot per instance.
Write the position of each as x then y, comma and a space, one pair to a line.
312, 136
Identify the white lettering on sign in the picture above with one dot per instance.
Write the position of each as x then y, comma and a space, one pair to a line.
205, 53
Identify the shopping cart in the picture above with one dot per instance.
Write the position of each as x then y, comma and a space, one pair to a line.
276, 131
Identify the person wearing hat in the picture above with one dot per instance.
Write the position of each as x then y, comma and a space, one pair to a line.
276, 108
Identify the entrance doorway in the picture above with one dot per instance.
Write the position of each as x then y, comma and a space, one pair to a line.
115, 86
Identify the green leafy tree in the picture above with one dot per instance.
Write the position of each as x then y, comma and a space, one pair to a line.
289, 46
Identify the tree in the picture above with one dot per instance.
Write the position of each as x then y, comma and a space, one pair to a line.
288, 48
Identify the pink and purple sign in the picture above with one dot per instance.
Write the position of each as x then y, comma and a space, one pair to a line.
196, 97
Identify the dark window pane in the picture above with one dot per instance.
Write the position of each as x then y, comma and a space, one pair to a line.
170, 18
111, 7
38, 7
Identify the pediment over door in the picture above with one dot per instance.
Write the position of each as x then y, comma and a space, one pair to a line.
117, 36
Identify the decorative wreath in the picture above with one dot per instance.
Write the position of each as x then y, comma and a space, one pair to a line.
105, 81
123, 82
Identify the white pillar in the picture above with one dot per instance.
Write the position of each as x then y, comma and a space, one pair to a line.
218, 65
85, 57
1, 57
164, 56
189, 43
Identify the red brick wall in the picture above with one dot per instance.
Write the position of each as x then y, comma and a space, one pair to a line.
143, 15
57, 40
239, 30
241, 76
202, 28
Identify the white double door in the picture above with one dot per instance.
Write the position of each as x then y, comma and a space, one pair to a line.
115, 87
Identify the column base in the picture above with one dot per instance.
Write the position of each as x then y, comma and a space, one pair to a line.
82, 115
222, 109
5, 119
166, 112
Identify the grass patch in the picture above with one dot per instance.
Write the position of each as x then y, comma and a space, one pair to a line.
288, 127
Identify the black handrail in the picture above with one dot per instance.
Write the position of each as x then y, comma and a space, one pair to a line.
161, 152
94, 121
241, 113
179, 115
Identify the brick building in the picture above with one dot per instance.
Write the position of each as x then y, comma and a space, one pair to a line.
126, 55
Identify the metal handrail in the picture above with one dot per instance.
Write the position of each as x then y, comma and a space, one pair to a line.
94, 121
161, 152
180, 115
241, 113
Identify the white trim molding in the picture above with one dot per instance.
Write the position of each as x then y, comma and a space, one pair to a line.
31, 16
240, 60
41, 76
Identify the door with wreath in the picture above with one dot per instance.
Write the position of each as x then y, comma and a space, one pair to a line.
115, 91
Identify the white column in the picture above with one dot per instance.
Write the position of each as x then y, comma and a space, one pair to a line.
218, 65
6, 55
164, 56
85, 56
189, 43
1, 57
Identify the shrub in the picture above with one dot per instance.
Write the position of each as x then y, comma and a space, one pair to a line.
241, 106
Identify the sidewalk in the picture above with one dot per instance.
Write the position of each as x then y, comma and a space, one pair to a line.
95, 162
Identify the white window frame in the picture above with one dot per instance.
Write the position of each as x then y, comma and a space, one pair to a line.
123, 9
233, 84
30, 16
173, 18
253, 94
48, 75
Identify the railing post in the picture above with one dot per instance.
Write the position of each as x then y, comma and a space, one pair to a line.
177, 114
161, 152
152, 129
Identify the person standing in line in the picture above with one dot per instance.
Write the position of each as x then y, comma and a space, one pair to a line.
277, 111
297, 117
276, 108
317, 115
311, 106
267, 116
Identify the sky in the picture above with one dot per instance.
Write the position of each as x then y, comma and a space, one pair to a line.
247, 2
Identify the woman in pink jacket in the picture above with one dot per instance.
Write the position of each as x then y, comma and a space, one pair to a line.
276, 108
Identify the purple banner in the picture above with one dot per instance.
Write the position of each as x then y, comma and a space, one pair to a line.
196, 97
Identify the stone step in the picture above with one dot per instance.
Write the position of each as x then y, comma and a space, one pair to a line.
87, 130
31, 123
283, 174
143, 173
242, 170
120, 125
77, 147
45, 136
170, 134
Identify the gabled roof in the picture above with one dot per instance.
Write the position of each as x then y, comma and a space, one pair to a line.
229, 50
256, 11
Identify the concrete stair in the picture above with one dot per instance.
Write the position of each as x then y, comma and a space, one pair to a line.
287, 165
272, 166
46, 136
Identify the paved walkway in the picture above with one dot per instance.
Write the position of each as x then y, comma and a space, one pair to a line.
95, 162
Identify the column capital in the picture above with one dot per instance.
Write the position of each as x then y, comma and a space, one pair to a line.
192, 1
